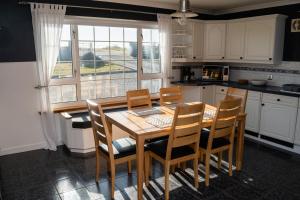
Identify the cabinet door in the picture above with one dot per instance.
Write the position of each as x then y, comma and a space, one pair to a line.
259, 41
214, 41
297, 134
253, 115
235, 40
219, 97
191, 93
278, 121
207, 94
198, 37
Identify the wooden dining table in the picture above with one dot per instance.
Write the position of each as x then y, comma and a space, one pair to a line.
140, 128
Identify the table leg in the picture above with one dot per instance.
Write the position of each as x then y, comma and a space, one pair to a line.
140, 165
240, 145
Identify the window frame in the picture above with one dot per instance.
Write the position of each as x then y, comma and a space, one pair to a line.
74, 22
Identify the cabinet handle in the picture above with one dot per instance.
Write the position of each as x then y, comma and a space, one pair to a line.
262, 104
194, 57
270, 58
278, 99
241, 58
203, 87
223, 57
222, 90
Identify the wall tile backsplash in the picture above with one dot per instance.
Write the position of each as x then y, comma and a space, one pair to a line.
284, 73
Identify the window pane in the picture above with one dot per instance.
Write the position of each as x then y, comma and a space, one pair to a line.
88, 90
146, 84
131, 50
101, 33
117, 50
155, 85
102, 50
146, 35
62, 70
155, 35
103, 89
68, 93
130, 34
86, 33
147, 50
117, 69
66, 33
130, 69
117, 88
147, 67
87, 70
156, 66
155, 50
65, 51
86, 50
102, 70
55, 94
116, 34
130, 84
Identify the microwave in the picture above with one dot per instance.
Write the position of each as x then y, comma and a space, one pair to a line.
215, 73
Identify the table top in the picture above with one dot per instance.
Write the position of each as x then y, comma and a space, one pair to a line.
139, 125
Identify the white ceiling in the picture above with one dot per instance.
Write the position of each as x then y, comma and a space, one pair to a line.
211, 6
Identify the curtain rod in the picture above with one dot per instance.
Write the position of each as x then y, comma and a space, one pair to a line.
96, 8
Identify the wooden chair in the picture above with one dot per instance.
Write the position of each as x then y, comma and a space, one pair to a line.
170, 95
182, 144
235, 92
138, 98
115, 152
221, 135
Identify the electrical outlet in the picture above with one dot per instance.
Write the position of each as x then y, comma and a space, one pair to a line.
270, 77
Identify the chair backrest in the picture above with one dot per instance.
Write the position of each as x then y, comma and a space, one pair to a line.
186, 126
236, 92
99, 126
225, 120
138, 98
170, 95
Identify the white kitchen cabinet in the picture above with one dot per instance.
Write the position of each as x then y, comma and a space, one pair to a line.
214, 40
191, 93
235, 40
207, 94
278, 117
297, 134
264, 39
253, 107
198, 39
220, 94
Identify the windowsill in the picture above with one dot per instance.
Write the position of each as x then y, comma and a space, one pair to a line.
76, 106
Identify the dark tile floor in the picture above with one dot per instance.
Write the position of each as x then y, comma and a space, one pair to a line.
268, 174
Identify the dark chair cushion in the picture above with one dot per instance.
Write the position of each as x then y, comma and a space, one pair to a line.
160, 148
217, 142
122, 147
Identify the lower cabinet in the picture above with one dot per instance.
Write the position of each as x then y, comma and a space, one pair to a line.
207, 94
253, 106
297, 133
191, 93
278, 117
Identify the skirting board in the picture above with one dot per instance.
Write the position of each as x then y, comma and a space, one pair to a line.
23, 148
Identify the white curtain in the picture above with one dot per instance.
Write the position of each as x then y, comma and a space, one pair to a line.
47, 22
165, 31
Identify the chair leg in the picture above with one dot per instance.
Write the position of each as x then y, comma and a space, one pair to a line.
129, 166
207, 169
230, 160
167, 172
220, 155
196, 179
147, 166
97, 165
113, 177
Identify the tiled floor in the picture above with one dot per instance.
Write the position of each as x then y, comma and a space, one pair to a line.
268, 174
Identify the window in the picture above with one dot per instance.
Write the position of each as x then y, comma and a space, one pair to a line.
110, 60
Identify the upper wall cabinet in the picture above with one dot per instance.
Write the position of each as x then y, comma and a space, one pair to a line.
214, 40
187, 41
264, 39
235, 40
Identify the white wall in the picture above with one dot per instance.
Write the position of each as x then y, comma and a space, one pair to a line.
20, 127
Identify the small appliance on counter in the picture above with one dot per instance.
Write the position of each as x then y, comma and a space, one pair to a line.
215, 73
186, 74
291, 88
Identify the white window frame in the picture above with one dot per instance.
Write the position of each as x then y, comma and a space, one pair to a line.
74, 21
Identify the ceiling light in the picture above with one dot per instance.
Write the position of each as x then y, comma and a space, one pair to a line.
184, 12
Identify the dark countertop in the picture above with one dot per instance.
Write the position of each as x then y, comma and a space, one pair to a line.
265, 89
